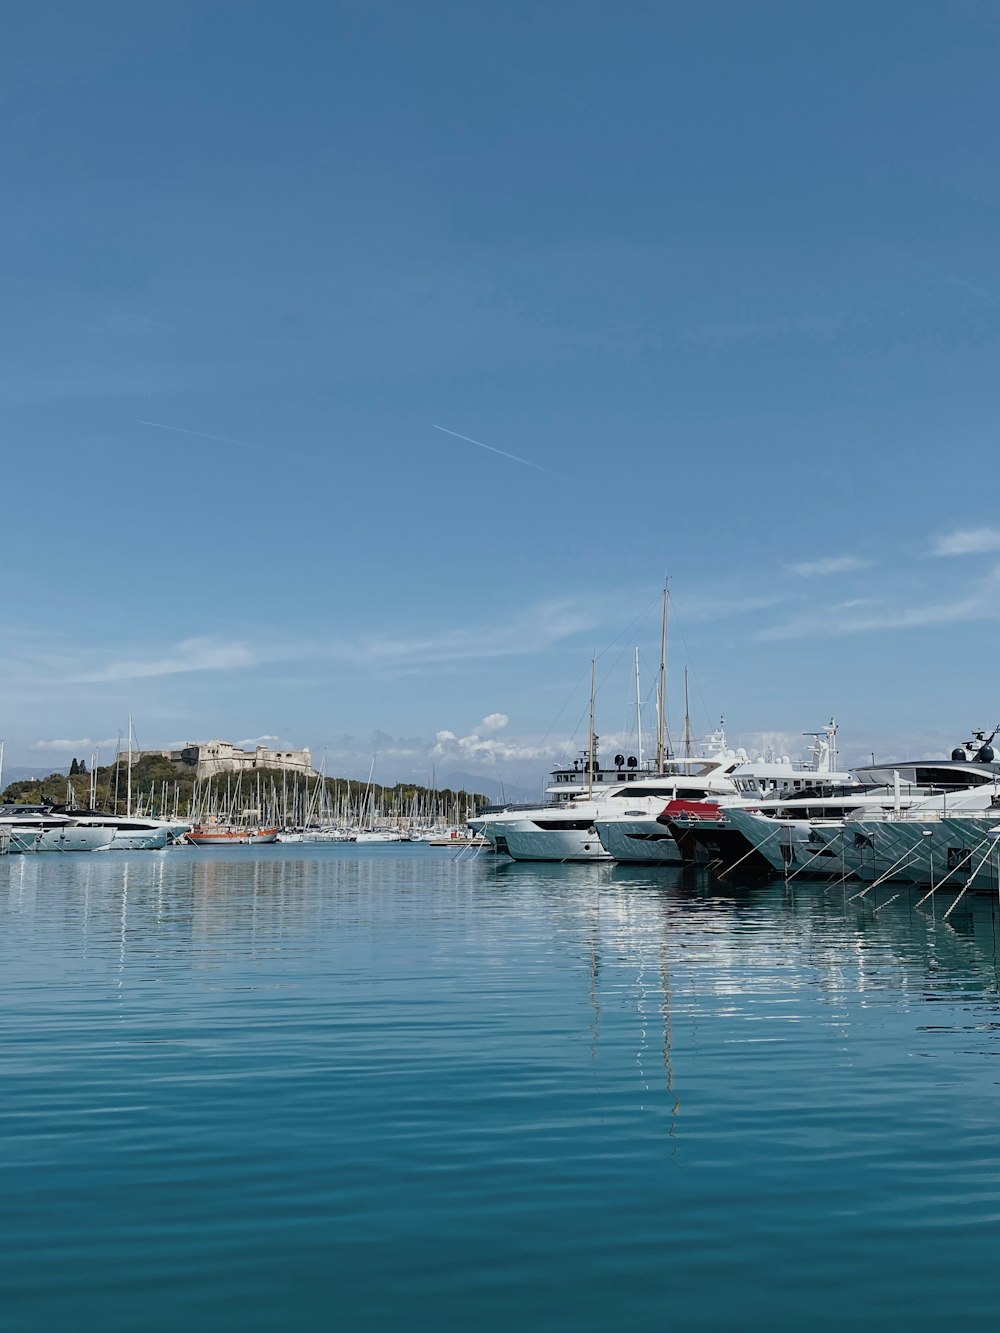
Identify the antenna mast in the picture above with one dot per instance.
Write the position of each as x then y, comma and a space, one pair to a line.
593, 739
661, 698
638, 709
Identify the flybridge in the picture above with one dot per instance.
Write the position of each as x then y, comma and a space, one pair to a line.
970, 765
924, 773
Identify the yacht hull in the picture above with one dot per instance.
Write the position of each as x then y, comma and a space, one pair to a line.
231, 837
153, 841
639, 842
75, 838
719, 845
24, 839
554, 845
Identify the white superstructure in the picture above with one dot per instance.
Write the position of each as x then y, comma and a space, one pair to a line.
644, 839
569, 832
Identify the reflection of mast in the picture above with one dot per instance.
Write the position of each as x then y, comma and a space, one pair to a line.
595, 976
668, 1039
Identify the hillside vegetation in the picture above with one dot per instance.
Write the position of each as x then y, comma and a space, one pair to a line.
158, 787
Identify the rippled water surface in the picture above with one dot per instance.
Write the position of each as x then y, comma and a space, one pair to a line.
384, 1088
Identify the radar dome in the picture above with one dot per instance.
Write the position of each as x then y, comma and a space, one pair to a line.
959, 753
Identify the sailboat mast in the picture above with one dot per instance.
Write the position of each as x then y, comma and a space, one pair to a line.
687, 719
661, 698
591, 744
128, 784
638, 710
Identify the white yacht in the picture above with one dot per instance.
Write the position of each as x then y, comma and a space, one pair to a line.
660, 837
836, 836
41, 830
22, 837
566, 783
130, 833
569, 832
920, 844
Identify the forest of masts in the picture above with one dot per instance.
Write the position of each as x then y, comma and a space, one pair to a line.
291, 801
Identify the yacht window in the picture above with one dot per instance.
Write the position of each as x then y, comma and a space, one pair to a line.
945, 777
685, 793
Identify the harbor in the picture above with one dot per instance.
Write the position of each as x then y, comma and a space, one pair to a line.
499, 758
930, 824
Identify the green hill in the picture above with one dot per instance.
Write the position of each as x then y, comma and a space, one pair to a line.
161, 788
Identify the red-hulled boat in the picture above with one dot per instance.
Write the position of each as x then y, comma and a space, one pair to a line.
230, 835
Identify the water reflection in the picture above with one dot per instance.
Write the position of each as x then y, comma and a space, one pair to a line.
655, 955
233, 1076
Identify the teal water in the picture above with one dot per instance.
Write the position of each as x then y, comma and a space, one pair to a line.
381, 1089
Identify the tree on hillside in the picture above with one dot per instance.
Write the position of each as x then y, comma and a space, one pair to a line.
74, 768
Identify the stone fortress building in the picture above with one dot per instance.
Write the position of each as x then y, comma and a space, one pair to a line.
209, 758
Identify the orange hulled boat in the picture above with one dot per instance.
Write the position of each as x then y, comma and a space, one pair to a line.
230, 835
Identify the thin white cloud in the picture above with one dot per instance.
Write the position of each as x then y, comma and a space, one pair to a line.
35, 664
732, 332
536, 628
721, 608
190, 655
981, 602
834, 564
968, 541
83, 745
258, 740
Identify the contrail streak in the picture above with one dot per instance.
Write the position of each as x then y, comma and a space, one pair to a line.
502, 452
204, 435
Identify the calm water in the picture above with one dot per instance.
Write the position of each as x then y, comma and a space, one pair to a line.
382, 1088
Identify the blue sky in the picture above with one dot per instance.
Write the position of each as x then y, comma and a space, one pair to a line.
719, 281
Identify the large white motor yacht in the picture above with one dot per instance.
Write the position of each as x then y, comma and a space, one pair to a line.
647, 839
566, 783
129, 833
838, 836
569, 833
41, 830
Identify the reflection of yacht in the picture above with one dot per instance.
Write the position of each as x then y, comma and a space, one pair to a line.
648, 839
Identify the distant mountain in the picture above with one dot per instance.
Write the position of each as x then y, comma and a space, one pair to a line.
490, 787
